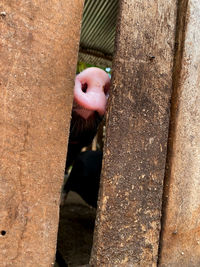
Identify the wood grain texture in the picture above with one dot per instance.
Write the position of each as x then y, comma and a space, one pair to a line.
128, 219
39, 46
180, 244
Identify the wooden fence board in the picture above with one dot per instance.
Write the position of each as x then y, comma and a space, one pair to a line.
39, 46
180, 244
128, 219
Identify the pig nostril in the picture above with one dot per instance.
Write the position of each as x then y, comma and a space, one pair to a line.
106, 88
84, 87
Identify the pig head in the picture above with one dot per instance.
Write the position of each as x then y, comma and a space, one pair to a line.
89, 106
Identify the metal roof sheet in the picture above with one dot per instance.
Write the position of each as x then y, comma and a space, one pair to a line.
98, 32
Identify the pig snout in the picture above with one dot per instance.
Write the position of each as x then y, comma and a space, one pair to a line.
91, 92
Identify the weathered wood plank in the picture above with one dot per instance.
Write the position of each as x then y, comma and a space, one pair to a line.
180, 244
128, 219
39, 47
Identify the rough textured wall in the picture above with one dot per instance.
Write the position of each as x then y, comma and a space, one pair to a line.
181, 231
128, 219
39, 45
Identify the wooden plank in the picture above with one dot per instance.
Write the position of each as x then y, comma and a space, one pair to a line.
128, 219
180, 244
39, 47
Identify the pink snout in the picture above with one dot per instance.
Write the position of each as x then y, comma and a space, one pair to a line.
91, 92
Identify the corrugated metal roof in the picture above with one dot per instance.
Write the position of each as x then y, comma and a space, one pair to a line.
98, 32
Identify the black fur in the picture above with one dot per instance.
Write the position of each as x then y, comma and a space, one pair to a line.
82, 133
85, 176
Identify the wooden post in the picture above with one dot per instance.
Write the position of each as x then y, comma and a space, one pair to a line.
180, 244
39, 46
128, 219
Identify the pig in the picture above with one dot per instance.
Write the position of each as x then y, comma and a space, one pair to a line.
89, 106
90, 98
84, 177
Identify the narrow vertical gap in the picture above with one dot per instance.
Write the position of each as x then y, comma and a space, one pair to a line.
77, 219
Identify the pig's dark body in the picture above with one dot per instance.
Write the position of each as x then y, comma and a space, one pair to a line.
85, 176
81, 135
60, 260
84, 179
